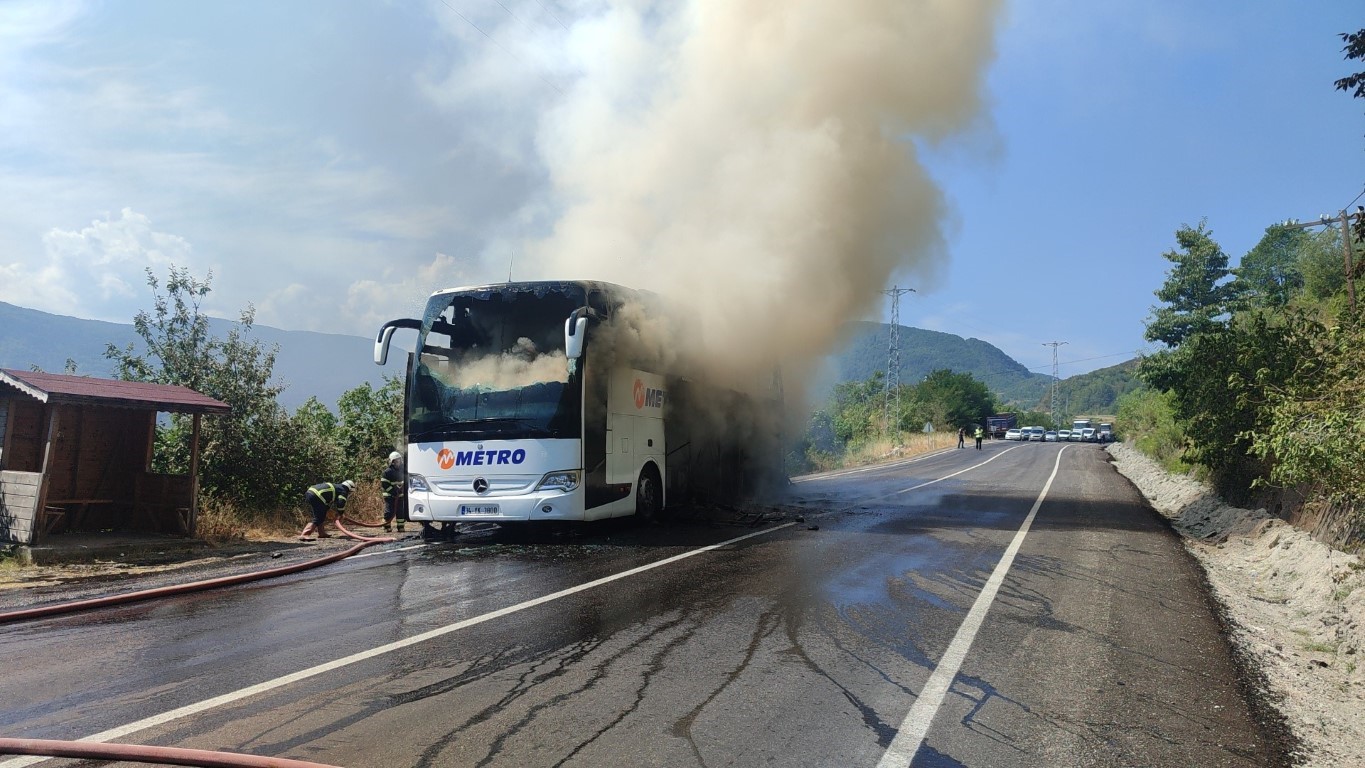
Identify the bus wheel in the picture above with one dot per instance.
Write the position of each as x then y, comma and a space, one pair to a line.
648, 496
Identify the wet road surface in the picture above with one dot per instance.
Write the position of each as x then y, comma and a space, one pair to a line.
1085, 639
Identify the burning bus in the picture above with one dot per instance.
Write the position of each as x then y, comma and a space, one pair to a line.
570, 401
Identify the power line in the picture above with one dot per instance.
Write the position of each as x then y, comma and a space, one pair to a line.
1348, 256
500, 46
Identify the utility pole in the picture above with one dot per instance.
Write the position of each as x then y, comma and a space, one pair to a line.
893, 357
1348, 255
1052, 401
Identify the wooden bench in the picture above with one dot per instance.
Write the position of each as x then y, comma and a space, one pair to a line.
73, 509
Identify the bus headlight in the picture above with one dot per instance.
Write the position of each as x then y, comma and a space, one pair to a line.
565, 480
417, 483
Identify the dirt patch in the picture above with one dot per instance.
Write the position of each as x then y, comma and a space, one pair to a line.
1295, 607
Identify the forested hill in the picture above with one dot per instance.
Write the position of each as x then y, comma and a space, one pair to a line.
1098, 391
326, 365
924, 351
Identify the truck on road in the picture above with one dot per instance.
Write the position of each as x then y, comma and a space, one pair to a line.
999, 424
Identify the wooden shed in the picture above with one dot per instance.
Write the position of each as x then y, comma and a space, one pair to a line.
76, 453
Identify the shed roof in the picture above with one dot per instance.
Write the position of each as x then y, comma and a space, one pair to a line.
65, 388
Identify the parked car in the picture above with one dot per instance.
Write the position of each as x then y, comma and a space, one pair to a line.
1075, 436
1037, 434
1012, 433
1088, 435
1050, 436
1063, 435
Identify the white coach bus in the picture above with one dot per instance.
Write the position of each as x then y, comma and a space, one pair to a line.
546, 401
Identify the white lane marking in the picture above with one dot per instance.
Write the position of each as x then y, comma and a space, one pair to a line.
280, 682
913, 729
955, 474
935, 480
871, 468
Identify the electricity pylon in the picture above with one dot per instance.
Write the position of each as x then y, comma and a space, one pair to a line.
893, 357
1054, 345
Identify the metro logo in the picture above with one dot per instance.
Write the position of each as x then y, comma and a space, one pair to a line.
647, 397
488, 458
446, 458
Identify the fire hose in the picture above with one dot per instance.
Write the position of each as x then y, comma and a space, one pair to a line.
169, 755
180, 589
148, 754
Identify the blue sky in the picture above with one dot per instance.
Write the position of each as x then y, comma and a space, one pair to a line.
333, 163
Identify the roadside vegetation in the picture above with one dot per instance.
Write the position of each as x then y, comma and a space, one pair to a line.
255, 463
866, 421
1260, 387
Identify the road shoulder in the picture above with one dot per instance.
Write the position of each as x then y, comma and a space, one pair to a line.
1295, 606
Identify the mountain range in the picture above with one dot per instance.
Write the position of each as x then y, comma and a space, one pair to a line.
323, 365
308, 364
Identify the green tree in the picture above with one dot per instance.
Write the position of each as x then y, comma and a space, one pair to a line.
369, 427
953, 399
1354, 49
244, 454
1196, 295
1205, 351
857, 409
1271, 273
1320, 263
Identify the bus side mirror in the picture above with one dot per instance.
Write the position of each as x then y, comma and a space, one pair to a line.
573, 334
381, 341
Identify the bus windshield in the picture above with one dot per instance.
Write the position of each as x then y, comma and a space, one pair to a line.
491, 365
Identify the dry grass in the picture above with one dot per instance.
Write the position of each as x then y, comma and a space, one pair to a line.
910, 445
222, 521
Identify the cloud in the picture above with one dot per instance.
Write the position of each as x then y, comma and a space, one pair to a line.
96, 272
364, 305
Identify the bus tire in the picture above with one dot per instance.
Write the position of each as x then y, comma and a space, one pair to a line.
648, 495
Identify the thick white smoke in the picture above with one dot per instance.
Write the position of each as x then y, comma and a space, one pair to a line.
754, 160
520, 366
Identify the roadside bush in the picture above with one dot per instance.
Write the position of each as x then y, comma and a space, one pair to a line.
1148, 419
221, 520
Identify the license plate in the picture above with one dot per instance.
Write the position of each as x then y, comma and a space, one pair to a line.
478, 509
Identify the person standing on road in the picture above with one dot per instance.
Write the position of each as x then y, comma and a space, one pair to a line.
320, 498
395, 494
961, 436
978, 438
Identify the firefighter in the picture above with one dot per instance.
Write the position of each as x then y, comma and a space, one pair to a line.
320, 498
395, 494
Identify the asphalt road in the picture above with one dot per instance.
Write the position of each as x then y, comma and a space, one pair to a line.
1015, 606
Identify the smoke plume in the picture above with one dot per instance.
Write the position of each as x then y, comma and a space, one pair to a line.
520, 366
755, 160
